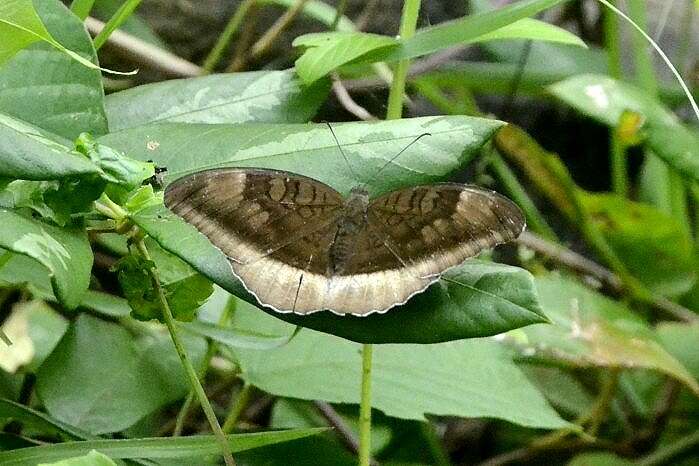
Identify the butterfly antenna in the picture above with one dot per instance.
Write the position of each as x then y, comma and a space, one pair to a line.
390, 161
344, 156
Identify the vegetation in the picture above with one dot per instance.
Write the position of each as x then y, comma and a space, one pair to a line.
126, 338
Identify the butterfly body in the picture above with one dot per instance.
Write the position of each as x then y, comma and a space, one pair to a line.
299, 246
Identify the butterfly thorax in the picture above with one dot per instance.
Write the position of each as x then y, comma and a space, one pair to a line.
352, 222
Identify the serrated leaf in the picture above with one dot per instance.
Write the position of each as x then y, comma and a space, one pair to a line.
94, 378
258, 96
65, 252
44, 86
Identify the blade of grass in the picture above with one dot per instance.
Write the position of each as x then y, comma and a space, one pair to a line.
121, 15
224, 39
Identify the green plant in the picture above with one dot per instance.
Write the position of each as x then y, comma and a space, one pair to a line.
92, 263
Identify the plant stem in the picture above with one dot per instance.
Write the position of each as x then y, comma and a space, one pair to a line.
339, 12
606, 396
211, 350
121, 15
534, 218
365, 408
184, 359
408, 24
224, 39
265, 42
612, 43
664, 454
241, 403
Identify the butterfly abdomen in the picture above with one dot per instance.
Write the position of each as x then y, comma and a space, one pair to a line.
352, 222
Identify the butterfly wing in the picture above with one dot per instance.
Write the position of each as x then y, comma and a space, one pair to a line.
426, 230
275, 227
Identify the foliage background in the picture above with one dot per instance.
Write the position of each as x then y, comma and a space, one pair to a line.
594, 358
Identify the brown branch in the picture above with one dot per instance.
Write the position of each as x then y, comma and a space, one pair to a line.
586, 266
341, 428
348, 102
138, 51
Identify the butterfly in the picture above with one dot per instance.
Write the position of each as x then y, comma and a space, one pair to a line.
299, 246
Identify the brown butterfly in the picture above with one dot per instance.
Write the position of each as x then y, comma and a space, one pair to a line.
298, 246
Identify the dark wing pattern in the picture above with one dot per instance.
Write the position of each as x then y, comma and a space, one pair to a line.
274, 226
432, 228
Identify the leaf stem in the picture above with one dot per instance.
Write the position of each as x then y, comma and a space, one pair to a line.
241, 403
514, 188
224, 39
184, 359
121, 15
211, 350
408, 24
365, 408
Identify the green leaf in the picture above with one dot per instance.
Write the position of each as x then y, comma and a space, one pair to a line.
94, 458
29, 153
310, 149
235, 338
599, 459
307, 149
45, 329
94, 378
22, 26
470, 29
468, 378
591, 330
44, 86
259, 96
65, 252
532, 29
197, 446
606, 99
38, 421
650, 243
677, 146
137, 287
54, 199
681, 341
116, 167
330, 50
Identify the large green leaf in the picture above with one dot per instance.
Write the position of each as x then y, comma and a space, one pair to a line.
590, 330
487, 299
648, 241
194, 448
260, 96
29, 153
44, 86
470, 29
469, 378
65, 252
21, 26
606, 99
330, 50
677, 146
95, 377
310, 149
38, 421
94, 458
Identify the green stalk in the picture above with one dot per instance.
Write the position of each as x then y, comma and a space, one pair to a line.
121, 15
516, 191
224, 39
612, 39
241, 403
82, 8
665, 454
211, 350
408, 24
339, 13
365, 408
646, 79
184, 359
